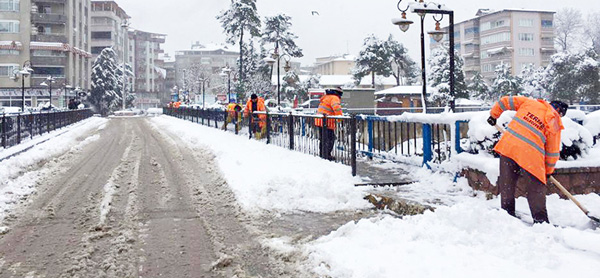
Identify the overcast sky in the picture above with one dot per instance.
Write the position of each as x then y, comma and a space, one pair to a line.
339, 28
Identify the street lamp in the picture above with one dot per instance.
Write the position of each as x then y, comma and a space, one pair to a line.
422, 9
202, 81
275, 57
67, 89
226, 72
48, 83
25, 71
125, 26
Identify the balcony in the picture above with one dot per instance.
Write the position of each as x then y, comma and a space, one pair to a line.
49, 61
50, 1
42, 18
50, 38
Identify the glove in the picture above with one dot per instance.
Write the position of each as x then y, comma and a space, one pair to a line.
491, 121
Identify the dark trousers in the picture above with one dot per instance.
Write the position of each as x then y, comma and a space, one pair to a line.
327, 142
510, 172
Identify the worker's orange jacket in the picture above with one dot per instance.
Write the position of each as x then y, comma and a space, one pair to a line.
260, 107
331, 106
231, 109
532, 138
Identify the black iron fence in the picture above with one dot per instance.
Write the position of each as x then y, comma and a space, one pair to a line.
14, 129
342, 138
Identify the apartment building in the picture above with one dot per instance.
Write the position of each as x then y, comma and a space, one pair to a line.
52, 36
148, 66
512, 36
107, 31
335, 65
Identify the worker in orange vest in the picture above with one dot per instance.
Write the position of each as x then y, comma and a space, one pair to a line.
258, 123
330, 105
233, 115
529, 148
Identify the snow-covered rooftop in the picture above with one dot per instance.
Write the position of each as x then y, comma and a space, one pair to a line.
343, 80
401, 90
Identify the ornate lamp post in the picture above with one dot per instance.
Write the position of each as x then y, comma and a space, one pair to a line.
202, 80
276, 57
125, 27
48, 83
421, 8
226, 72
24, 72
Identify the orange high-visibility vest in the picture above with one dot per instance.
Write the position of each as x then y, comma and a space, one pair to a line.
532, 138
260, 107
331, 106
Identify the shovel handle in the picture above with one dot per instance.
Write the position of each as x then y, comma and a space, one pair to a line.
499, 128
564, 191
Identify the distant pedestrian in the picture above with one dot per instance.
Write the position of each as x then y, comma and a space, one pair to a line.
330, 105
529, 149
72, 105
258, 122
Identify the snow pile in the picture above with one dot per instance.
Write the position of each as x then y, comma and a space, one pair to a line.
15, 179
482, 135
267, 177
469, 239
592, 123
576, 140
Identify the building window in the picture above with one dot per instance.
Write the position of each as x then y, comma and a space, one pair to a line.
52, 71
7, 70
487, 67
101, 35
526, 52
500, 37
546, 23
9, 26
493, 24
485, 54
48, 53
9, 5
9, 52
472, 30
526, 22
527, 37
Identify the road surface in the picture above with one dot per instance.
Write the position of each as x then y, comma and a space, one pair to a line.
138, 203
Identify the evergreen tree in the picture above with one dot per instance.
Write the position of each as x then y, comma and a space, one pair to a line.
573, 77
117, 103
104, 81
312, 82
241, 17
531, 79
258, 79
505, 83
478, 88
374, 59
439, 76
290, 85
277, 31
404, 69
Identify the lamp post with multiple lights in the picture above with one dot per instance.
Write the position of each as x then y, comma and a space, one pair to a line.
276, 57
421, 9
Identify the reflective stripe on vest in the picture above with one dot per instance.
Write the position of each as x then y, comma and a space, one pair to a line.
526, 140
533, 129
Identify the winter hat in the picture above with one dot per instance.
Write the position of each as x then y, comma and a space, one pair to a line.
253, 96
560, 107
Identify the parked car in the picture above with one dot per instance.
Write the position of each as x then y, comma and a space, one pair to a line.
283, 106
309, 107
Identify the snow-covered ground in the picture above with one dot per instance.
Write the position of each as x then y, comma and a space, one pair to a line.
467, 236
16, 178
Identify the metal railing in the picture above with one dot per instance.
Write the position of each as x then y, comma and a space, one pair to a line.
15, 129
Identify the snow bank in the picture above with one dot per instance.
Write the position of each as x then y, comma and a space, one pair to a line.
469, 239
592, 123
16, 181
267, 177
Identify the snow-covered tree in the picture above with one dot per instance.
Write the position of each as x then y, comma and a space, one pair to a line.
404, 69
241, 18
568, 27
573, 77
592, 30
104, 81
505, 83
532, 82
312, 82
277, 31
439, 76
290, 85
478, 88
117, 103
258, 78
374, 58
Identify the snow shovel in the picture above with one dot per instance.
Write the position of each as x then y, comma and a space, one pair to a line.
564, 191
